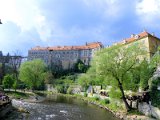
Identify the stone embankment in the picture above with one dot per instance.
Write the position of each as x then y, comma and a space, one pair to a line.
121, 115
5, 105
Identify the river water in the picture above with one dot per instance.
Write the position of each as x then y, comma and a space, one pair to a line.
62, 108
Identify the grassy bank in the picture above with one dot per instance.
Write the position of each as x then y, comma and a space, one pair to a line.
115, 109
18, 95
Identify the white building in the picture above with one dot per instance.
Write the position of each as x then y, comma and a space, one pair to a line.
65, 56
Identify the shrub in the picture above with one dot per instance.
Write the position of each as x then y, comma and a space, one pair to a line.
85, 94
96, 98
59, 88
155, 93
69, 90
105, 101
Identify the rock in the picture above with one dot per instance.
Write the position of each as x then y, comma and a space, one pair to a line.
20, 109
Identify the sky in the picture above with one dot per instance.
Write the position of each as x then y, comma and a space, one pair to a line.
30, 23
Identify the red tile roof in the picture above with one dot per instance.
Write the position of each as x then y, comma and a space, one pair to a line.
136, 37
85, 47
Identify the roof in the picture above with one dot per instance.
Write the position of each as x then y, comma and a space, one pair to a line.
137, 37
84, 47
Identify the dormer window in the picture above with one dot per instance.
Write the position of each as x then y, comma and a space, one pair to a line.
136, 36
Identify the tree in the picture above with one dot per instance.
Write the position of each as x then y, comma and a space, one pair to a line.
116, 63
32, 73
15, 85
48, 78
8, 81
80, 66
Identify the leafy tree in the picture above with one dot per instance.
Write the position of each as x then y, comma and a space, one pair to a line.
155, 61
32, 73
146, 72
154, 92
80, 67
48, 77
15, 85
84, 80
154, 82
8, 81
116, 63
139, 76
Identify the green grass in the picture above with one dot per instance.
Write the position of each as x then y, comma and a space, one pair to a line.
134, 112
17, 95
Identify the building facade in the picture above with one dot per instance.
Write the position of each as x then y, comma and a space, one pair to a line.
147, 41
65, 56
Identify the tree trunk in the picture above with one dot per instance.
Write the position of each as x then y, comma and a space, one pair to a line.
124, 98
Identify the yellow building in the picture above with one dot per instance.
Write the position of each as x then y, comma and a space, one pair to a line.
144, 39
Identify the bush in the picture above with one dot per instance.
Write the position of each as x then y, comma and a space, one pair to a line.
105, 101
155, 93
96, 98
85, 94
59, 88
69, 90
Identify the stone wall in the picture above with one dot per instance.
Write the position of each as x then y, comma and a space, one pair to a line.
149, 110
49, 87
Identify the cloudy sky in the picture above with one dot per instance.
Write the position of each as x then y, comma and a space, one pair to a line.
30, 23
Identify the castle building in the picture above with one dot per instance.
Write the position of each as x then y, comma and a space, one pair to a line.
147, 41
65, 56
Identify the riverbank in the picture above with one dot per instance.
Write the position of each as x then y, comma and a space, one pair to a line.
19, 96
119, 113
25, 96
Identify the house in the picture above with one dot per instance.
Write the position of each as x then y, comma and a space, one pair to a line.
146, 40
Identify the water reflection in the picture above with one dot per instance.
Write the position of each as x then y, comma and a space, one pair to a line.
63, 108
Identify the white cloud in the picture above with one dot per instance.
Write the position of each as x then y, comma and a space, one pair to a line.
26, 15
148, 11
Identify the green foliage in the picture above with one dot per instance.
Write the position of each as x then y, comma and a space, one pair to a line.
8, 81
135, 112
59, 88
155, 93
96, 98
115, 65
117, 61
84, 81
65, 82
139, 76
80, 67
48, 78
85, 94
32, 73
69, 90
115, 93
15, 85
105, 101
155, 61
17, 95
113, 106
146, 72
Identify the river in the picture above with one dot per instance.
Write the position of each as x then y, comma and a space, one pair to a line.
56, 107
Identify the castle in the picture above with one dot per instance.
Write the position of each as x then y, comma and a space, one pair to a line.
65, 56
